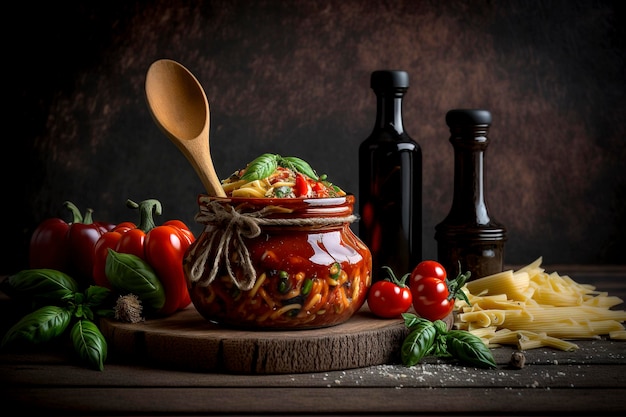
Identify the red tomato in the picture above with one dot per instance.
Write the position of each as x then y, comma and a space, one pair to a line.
389, 298
433, 293
431, 298
428, 269
302, 187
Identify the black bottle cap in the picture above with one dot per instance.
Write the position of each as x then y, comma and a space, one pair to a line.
468, 117
389, 79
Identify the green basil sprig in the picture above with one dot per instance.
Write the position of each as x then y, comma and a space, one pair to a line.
262, 166
433, 338
66, 304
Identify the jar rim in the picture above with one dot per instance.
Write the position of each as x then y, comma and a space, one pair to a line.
333, 209
300, 201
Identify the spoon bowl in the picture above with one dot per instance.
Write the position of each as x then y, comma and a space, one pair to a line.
179, 106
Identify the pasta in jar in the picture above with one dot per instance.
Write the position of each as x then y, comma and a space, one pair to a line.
278, 261
274, 176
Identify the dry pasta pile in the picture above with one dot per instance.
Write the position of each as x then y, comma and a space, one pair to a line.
530, 308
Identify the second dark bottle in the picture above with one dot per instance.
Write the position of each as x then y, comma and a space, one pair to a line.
390, 182
469, 236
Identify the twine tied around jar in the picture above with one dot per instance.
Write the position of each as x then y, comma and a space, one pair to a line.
227, 228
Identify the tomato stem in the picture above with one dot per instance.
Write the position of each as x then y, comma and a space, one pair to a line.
392, 277
455, 287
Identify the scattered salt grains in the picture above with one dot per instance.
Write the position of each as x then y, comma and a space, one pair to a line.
434, 374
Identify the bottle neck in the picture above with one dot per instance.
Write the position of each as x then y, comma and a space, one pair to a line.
389, 111
469, 193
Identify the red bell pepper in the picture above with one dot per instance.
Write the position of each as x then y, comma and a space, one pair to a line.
162, 247
67, 247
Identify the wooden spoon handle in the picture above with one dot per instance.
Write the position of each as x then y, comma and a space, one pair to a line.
197, 153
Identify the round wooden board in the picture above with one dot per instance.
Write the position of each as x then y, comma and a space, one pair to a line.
187, 341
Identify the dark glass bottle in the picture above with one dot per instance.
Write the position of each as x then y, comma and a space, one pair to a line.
390, 182
469, 234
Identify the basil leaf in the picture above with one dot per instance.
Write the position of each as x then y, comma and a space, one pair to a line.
129, 274
89, 343
412, 321
469, 349
39, 326
299, 165
96, 295
261, 167
418, 343
41, 284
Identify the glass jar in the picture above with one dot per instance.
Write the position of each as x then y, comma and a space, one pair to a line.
288, 263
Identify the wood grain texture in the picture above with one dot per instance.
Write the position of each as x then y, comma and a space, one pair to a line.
587, 382
48, 380
185, 340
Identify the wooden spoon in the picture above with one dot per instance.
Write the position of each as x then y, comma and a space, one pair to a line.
180, 108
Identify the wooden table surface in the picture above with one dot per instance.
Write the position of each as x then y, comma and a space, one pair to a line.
590, 381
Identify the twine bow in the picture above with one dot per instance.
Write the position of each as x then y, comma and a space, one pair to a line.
228, 228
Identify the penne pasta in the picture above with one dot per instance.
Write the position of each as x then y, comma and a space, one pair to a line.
531, 308
512, 285
618, 334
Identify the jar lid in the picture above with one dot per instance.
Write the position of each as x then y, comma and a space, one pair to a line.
468, 117
389, 79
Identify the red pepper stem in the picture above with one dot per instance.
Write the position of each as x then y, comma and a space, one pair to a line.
77, 217
147, 210
88, 219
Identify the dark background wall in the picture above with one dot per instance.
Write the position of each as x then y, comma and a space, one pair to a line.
292, 77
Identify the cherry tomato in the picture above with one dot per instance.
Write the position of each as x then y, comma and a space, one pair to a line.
433, 293
431, 298
390, 297
428, 269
